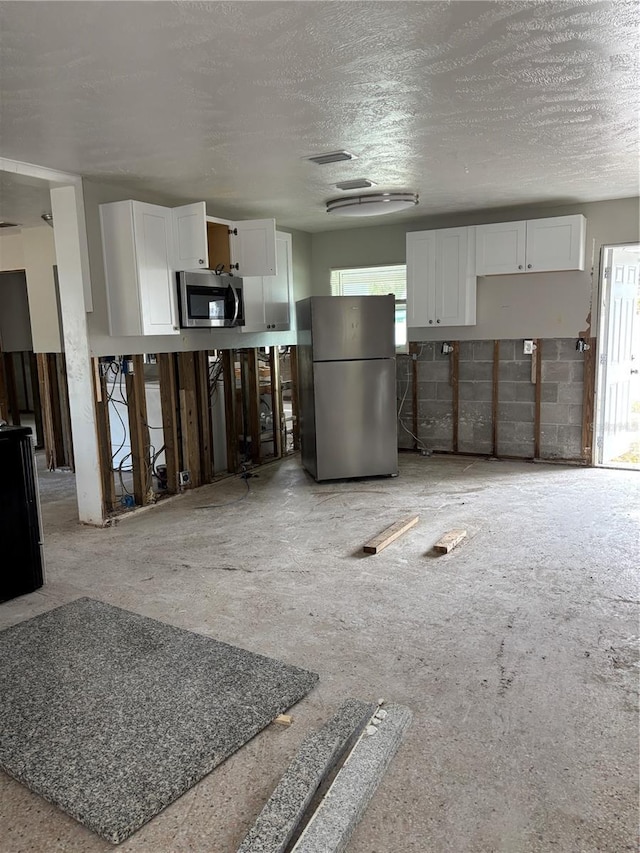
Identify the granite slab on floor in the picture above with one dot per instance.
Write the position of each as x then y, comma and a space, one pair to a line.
112, 716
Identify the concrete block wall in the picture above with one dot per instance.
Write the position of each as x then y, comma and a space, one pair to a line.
561, 394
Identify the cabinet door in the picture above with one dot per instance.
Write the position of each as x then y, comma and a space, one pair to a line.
556, 243
153, 241
500, 248
455, 282
421, 277
254, 304
253, 247
277, 288
190, 237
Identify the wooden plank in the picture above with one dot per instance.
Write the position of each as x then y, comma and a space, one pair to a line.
105, 459
390, 534
252, 396
276, 400
56, 409
189, 428
494, 398
537, 356
295, 407
283, 719
138, 431
230, 404
455, 393
449, 541
170, 414
588, 401
203, 399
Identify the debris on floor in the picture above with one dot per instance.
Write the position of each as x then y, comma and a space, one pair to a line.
390, 534
449, 541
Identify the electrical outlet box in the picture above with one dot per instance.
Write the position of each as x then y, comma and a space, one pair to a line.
529, 347
184, 478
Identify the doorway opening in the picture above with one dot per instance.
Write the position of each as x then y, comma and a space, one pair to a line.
617, 421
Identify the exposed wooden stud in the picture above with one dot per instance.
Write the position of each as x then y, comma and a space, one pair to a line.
105, 453
537, 356
4, 396
413, 352
138, 431
46, 401
588, 401
37, 404
204, 414
189, 417
65, 413
252, 395
449, 541
276, 400
389, 535
230, 406
455, 393
295, 408
169, 407
11, 391
494, 398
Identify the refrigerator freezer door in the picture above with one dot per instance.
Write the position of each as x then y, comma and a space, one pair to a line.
355, 412
346, 327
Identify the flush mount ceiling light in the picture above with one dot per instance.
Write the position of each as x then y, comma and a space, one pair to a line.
372, 204
332, 157
48, 218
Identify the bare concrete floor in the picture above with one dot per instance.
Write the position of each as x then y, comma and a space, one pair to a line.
517, 652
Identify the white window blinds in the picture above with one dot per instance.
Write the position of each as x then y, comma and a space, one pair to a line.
371, 281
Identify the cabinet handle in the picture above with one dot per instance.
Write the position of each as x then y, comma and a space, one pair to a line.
437, 321
430, 322
201, 260
529, 266
520, 267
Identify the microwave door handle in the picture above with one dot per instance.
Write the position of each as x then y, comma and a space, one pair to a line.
237, 308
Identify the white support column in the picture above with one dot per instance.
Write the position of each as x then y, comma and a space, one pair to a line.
71, 254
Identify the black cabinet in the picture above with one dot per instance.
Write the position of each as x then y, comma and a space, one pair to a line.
21, 564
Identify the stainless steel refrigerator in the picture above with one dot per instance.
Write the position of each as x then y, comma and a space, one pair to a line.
347, 386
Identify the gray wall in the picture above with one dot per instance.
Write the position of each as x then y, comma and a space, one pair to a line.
15, 324
194, 339
549, 305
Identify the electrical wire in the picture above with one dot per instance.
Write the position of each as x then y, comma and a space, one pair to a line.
419, 441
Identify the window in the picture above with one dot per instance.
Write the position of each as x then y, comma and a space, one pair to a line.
376, 281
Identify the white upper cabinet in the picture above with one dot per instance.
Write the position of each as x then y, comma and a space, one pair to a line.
441, 280
553, 244
267, 299
253, 247
190, 236
137, 242
501, 248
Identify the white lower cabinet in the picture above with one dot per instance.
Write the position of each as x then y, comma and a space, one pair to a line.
441, 278
267, 299
552, 244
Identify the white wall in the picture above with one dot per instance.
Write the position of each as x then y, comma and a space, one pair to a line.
33, 250
189, 339
549, 305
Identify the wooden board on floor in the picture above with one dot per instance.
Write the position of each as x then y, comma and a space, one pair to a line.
449, 541
390, 534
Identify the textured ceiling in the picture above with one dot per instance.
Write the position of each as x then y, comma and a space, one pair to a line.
472, 104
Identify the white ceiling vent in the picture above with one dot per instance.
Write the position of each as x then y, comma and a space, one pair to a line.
332, 157
360, 184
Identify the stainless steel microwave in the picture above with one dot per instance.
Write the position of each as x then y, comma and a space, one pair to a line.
208, 299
